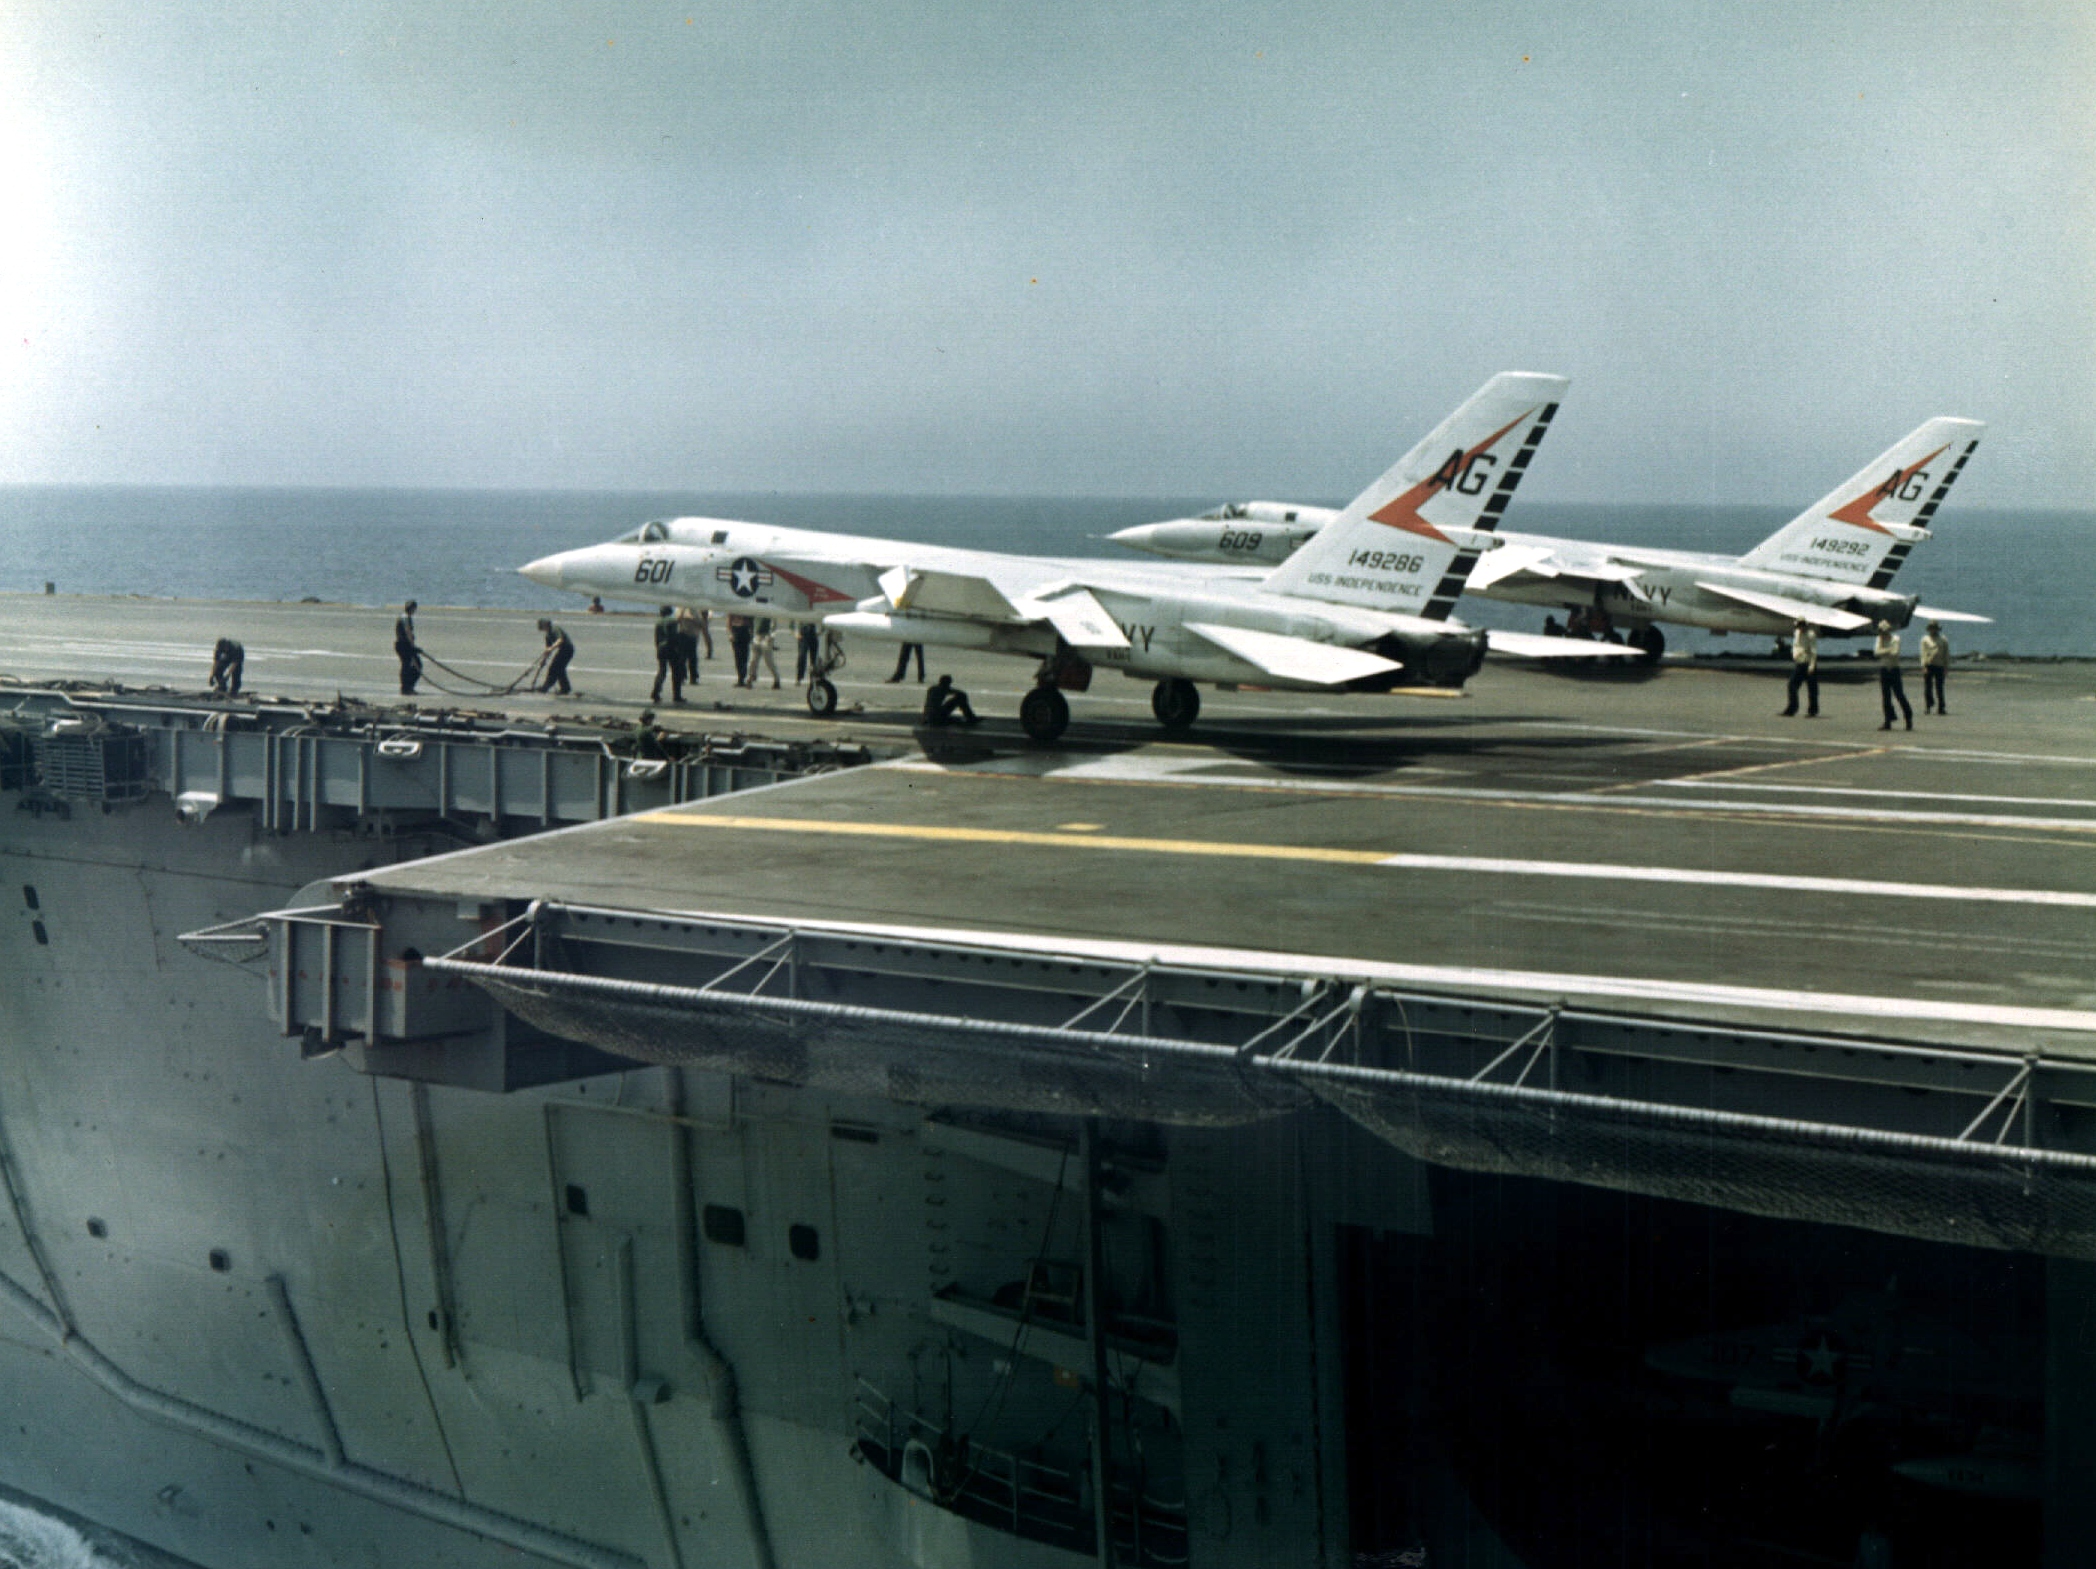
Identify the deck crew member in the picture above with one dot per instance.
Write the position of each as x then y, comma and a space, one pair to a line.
406, 650
739, 646
764, 649
902, 662
227, 658
947, 704
807, 653
560, 648
669, 657
1935, 665
1891, 688
650, 740
1804, 668
691, 626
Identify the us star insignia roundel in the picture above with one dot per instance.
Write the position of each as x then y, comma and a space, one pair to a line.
744, 576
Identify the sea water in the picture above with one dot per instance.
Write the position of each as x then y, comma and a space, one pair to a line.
2033, 572
30, 1538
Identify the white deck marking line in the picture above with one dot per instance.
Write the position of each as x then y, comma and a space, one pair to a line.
1693, 783
1865, 814
941, 833
1614, 872
1921, 753
1912, 753
1140, 770
1762, 768
1451, 977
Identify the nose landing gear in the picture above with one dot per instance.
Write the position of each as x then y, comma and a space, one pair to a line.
1176, 703
822, 694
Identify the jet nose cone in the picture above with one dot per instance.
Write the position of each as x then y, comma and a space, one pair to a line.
547, 570
1146, 536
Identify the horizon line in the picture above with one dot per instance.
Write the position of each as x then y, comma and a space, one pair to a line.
263, 486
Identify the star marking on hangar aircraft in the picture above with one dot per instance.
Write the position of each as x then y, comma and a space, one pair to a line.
1819, 1362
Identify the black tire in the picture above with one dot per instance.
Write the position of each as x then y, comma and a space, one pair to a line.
1653, 642
1044, 713
1176, 703
822, 698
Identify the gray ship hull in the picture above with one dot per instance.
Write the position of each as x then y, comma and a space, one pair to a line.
316, 1251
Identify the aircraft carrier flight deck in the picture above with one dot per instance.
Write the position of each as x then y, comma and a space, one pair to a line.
1661, 838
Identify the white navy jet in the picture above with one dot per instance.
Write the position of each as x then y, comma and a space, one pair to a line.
1363, 608
1832, 565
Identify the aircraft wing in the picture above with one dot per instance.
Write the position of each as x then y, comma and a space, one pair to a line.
1496, 565
1543, 561
1604, 571
948, 594
1791, 609
1931, 613
1078, 618
1527, 645
1294, 658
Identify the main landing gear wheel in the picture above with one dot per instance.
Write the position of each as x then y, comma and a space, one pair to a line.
1176, 703
822, 698
1044, 713
1652, 641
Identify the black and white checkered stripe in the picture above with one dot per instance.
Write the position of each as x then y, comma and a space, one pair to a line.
1896, 557
1450, 588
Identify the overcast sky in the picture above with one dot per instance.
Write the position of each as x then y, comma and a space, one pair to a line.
1223, 249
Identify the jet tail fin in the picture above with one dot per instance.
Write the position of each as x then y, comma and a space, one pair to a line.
1408, 542
1862, 531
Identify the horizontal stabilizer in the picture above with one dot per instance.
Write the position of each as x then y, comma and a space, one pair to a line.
1294, 658
1527, 645
1790, 609
1931, 613
1496, 566
1078, 618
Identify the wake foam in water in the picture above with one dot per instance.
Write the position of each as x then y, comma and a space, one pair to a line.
29, 1540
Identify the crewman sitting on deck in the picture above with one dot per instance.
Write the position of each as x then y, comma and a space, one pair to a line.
947, 704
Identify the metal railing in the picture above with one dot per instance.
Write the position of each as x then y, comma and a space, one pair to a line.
1023, 1496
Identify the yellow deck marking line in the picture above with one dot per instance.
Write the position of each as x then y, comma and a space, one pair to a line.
1488, 865
934, 833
